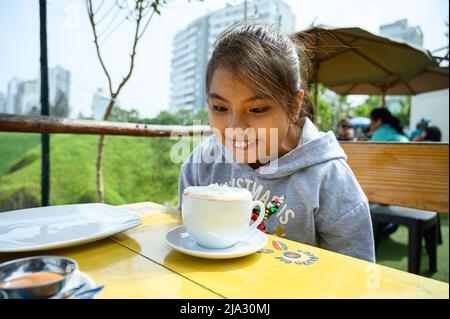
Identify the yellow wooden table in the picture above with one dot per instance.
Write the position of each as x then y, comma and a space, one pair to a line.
139, 264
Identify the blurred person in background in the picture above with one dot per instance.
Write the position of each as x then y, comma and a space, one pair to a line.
366, 133
420, 130
385, 127
432, 134
345, 131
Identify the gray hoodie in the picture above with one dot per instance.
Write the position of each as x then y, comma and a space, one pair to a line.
320, 202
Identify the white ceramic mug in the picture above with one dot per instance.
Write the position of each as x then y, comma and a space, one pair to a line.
219, 216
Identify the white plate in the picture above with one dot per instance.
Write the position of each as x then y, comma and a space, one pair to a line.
180, 240
62, 226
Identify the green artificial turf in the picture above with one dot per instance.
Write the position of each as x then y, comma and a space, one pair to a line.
393, 252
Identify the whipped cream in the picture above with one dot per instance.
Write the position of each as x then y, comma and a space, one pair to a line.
218, 193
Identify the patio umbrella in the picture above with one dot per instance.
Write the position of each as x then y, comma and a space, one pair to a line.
349, 56
360, 121
431, 79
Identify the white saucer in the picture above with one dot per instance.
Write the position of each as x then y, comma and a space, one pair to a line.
78, 278
180, 240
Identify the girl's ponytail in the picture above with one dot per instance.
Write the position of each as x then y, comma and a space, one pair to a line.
308, 108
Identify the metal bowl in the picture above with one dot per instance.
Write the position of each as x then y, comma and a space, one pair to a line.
25, 266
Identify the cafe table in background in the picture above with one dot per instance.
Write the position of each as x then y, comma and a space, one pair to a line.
139, 264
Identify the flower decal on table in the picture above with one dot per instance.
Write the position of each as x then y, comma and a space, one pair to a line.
298, 257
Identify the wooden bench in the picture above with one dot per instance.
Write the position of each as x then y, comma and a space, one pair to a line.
410, 180
413, 175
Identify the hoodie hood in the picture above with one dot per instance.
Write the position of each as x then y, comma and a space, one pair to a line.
314, 147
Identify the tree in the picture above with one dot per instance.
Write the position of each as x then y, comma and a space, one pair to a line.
34, 110
324, 114
140, 14
403, 113
372, 102
141, 11
61, 106
362, 110
119, 114
180, 117
202, 116
324, 110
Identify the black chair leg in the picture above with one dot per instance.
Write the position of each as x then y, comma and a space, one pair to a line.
431, 239
414, 247
439, 239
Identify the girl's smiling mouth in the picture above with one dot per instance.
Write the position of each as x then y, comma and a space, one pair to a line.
243, 145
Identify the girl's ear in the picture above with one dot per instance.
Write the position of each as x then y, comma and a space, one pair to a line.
297, 107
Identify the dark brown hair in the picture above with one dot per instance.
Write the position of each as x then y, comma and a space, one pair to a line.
269, 60
387, 118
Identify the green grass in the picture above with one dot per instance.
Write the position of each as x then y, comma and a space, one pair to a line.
393, 252
13, 146
135, 169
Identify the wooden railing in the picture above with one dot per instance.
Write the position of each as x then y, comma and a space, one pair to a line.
49, 124
411, 175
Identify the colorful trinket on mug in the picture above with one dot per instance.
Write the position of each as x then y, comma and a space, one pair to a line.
271, 208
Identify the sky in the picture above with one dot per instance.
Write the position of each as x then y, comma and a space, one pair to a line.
70, 41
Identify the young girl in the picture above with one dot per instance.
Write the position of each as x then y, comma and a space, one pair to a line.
256, 85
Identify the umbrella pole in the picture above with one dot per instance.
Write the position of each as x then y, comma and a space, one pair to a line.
383, 96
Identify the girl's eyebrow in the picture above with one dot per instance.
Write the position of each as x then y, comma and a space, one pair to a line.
253, 98
217, 96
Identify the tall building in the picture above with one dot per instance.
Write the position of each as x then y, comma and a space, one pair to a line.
402, 31
192, 46
12, 95
190, 49
3, 102
28, 98
99, 105
58, 91
58, 83
23, 97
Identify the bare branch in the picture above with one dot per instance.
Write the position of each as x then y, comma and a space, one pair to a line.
146, 25
99, 7
140, 9
106, 14
94, 29
106, 37
110, 23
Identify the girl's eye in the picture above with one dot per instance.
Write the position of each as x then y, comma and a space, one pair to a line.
219, 108
261, 109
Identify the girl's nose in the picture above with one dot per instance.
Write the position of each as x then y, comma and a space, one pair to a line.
238, 122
